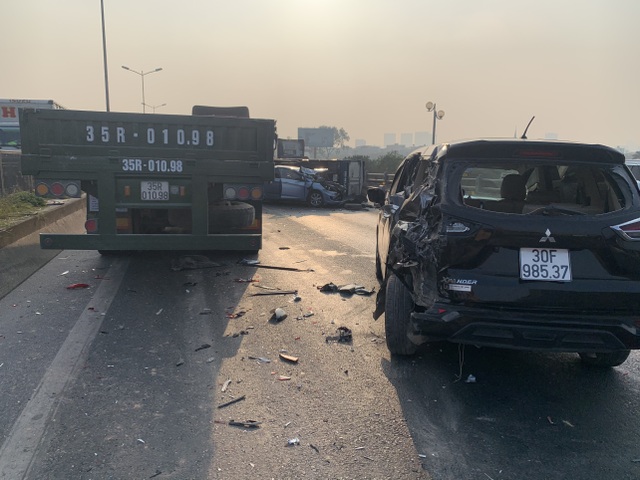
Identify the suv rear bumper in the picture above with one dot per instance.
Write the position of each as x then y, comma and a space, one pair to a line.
525, 330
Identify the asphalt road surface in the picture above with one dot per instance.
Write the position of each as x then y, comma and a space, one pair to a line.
128, 378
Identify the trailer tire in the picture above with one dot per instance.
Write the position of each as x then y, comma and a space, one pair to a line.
230, 215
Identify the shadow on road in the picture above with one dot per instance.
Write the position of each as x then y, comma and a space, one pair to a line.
526, 416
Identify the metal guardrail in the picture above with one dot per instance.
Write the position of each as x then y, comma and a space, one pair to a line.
383, 180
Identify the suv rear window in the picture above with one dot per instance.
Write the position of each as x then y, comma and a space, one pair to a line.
525, 187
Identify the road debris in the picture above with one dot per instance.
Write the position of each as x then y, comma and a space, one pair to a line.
225, 385
190, 284
293, 441
75, 286
273, 267
159, 311
274, 292
231, 402
278, 315
349, 289
247, 424
141, 441
180, 362
204, 346
206, 311
192, 262
344, 336
260, 359
248, 261
283, 378
246, 280
314, 447
237, 314
63, 273
470, 379
288, 358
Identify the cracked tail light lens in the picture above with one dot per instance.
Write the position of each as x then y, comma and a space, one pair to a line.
629, 230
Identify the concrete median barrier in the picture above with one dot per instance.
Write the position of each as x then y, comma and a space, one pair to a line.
20, 253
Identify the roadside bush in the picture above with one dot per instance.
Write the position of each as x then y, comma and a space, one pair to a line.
27, 198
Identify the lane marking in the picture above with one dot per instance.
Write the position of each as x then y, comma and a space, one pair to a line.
20, 447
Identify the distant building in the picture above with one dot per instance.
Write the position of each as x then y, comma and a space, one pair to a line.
422, 138
389, 139
406, 139
360, 142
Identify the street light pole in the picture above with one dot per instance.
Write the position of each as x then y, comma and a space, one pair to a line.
437, 115
104, 55
142, 75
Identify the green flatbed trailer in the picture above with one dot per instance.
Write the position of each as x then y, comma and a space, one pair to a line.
152, 182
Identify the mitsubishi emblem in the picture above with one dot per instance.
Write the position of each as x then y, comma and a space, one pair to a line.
547, 237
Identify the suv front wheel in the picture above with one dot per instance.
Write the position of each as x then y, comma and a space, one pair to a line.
398, 308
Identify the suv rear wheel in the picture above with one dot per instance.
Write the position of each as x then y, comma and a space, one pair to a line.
398, 307
609, 359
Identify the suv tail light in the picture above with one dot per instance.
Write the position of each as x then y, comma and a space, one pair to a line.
629, 230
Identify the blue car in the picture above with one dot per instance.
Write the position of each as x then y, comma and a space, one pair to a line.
303, 185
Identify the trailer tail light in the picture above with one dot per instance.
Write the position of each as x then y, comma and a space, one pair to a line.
127, 190
58, 188
42, 190
229, 193
629, 230
242, 192
91, 225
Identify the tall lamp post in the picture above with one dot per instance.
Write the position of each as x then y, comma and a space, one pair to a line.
104, 56
437, 115
142, 75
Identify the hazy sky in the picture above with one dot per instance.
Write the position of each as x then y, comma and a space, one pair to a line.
368, 66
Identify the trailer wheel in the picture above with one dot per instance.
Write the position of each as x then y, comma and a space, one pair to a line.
230, 215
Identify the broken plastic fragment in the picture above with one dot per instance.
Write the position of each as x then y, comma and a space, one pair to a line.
75, 286
248, 261
260, 359
470, 379
289, 358
279, 314
328, 287
293, 441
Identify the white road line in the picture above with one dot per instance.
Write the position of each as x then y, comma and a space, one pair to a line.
20, 447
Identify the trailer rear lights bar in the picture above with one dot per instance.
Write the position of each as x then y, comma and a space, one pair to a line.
58, 188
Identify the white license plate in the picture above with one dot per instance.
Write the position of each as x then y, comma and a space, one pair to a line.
550, 264
153, 190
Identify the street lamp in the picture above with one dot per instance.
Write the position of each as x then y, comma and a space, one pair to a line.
153, 107
437, 115
142, 74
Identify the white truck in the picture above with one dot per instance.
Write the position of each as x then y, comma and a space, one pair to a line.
9, 121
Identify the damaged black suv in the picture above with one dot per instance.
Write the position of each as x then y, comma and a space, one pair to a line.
531, 245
